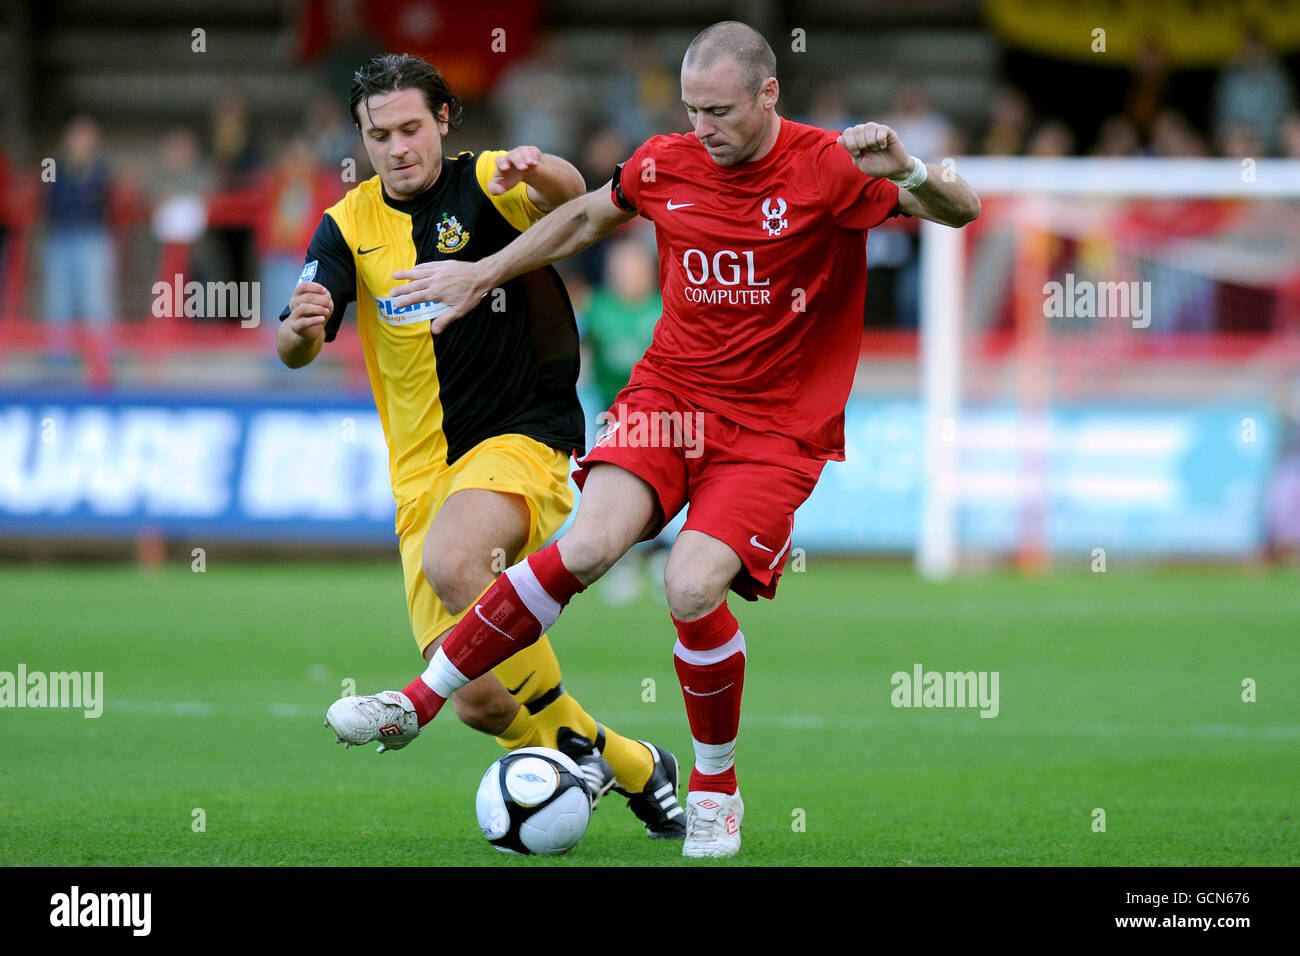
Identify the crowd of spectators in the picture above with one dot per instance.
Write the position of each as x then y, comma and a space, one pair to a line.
227, 200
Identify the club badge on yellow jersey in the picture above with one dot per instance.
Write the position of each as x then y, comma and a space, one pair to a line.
452, 236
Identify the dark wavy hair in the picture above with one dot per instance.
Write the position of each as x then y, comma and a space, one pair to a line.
393, 72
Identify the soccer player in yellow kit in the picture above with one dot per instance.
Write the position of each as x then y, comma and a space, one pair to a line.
480, 421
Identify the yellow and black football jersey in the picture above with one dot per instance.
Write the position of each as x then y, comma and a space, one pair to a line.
510, 366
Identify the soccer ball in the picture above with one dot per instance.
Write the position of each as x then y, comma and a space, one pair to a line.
533, 800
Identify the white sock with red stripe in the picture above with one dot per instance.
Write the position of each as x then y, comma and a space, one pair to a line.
511, 615
710, 661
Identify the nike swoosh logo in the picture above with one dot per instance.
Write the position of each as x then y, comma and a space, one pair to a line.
680, 205
754, 542
711, 693
478, 609
514, 690
362, 252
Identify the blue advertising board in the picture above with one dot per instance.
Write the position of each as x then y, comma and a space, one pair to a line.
1157, 481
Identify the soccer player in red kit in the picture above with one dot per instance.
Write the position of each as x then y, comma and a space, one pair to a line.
739, 401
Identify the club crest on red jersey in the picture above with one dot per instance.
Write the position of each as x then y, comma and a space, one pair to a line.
773, 216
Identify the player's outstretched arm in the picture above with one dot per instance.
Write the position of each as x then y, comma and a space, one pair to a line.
551, 181
944, 197
459, 285
300, 335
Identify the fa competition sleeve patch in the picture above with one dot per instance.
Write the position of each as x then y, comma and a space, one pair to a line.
330, 263
514, 203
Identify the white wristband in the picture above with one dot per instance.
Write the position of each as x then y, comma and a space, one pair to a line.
913, 179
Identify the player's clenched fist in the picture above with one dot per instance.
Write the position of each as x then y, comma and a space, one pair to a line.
876, 150
309, 308
513, 167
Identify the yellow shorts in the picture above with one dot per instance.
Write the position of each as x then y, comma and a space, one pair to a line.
510, 464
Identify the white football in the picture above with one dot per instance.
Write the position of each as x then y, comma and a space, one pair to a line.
533, 800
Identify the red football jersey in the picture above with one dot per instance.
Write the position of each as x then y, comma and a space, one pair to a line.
763, 270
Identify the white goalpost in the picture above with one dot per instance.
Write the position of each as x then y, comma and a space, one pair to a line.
1116, 223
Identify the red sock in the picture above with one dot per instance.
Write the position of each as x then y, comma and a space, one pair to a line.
510, 616
724, 782
427, 702
710, 662
549, 571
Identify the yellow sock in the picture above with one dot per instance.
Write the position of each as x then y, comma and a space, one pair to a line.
630, 759
522, 732
530, 674
533, 677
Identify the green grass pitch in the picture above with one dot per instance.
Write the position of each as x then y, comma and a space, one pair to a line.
1120, 691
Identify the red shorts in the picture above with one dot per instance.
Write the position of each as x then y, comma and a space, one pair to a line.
743, 486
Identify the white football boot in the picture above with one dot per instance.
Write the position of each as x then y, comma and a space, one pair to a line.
388, 716
713, 823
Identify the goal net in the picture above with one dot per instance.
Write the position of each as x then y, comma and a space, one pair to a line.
1106, 360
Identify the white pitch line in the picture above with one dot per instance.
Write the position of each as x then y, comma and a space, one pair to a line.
968, 724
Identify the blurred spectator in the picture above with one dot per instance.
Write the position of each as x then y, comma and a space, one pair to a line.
1290, 136
1240, 141
80, 262
1185, 295
1253, 90
893, 294
234, 153
1008, 127
829, 109
894, 253
619, 318
924, 131
637, 93
180, 188
333, 138
1117, 138
297, 190
349, 43
957, 142
1145, 99
1052, 138
9, 292
236, 161
181, 170
1173, 137
617, 327
605, 149
541, 101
